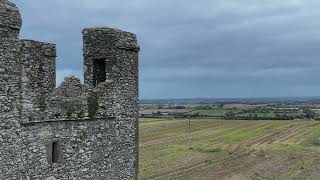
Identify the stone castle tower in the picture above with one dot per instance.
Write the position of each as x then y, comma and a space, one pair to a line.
74, 131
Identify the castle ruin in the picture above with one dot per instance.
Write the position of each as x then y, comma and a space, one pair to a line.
74, 131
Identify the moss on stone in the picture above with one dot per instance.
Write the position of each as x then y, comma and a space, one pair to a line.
42, 104
93, 104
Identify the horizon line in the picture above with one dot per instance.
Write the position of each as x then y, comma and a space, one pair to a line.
258, 97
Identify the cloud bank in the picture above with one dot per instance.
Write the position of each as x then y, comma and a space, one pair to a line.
208, 48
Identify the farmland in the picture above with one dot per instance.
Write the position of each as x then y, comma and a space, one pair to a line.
229, 149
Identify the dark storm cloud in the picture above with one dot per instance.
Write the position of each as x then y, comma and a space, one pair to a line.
208, 48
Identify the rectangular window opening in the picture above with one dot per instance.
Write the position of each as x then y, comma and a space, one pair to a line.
99, 71
54, 153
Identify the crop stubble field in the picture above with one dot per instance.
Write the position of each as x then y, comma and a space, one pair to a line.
229, 149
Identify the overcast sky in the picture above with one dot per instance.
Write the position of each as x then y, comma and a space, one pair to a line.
205, 48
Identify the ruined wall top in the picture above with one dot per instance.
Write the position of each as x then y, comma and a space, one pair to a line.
10, 20
71, 87
44, 48
108, 38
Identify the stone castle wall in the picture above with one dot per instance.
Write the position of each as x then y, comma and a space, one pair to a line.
118, 51
10, 20
10, 141
74, 131
38, 78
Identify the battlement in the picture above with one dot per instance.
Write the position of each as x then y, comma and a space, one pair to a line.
107, 38
44, 48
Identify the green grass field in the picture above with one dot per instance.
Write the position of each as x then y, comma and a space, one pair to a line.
213, 112
229, 149
219, 112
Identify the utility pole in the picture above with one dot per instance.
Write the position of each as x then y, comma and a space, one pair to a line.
189, 132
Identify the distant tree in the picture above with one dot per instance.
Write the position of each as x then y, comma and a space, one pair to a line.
207, 107
230, 115
156, 114
220, 105
194, 115
179, 107
309, 114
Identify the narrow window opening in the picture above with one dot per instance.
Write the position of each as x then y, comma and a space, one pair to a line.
99, 71
54, 153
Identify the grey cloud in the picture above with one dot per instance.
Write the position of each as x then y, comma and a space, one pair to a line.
209, 48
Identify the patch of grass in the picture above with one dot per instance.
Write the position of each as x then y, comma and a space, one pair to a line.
207, 150
211, 113
246, 133
315, 131
299, 168
289, 147
150, 123
164, 158
313, 135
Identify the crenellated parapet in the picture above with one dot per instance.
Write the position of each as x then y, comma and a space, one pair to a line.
101, 50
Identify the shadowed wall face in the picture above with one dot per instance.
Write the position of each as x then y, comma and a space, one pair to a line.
99, 71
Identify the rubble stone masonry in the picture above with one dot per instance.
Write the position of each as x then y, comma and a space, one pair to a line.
74, 130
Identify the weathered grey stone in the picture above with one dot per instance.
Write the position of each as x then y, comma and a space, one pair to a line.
10, 20
74, 131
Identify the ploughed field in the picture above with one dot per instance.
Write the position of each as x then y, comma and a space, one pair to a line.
229, 149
